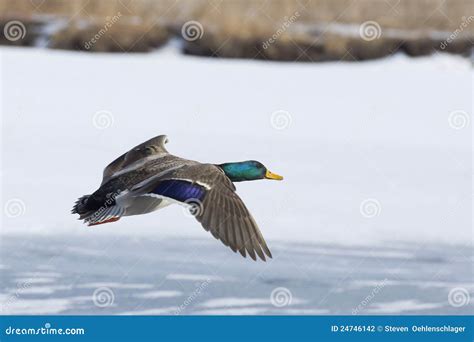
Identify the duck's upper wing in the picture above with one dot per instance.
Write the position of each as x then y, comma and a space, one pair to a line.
144, 151
214, 203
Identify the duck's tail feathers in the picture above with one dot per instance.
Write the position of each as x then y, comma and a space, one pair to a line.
103, 215
93, 216
80, 207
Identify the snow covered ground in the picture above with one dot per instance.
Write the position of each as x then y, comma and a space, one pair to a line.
376, 158
150, 276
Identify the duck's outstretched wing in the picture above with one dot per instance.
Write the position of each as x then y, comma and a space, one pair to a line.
225, 215
215, 204
148, 149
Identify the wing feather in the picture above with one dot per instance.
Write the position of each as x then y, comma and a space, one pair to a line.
151, 147
222, 212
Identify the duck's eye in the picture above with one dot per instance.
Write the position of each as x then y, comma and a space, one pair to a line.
148, 150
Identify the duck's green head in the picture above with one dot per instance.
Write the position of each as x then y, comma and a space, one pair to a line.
247, 171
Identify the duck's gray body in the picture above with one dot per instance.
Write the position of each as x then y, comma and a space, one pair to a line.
148, 178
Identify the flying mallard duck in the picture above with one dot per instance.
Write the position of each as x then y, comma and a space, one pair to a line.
148, 178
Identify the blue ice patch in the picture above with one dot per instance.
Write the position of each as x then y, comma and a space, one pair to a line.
180, 190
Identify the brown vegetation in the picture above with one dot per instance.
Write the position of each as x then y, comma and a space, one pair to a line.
239, 28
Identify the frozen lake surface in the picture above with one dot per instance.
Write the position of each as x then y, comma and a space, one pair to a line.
150, 276
375, 154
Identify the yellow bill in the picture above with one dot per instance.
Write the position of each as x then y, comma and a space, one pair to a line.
271, 175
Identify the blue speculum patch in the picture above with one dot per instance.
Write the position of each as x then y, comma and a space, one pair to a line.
180, 190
